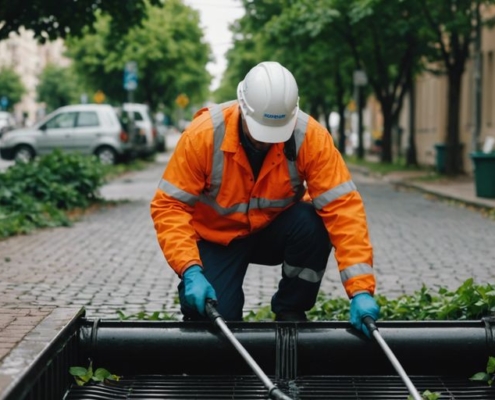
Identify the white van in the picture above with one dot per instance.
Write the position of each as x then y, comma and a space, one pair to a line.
83, 128
146, 129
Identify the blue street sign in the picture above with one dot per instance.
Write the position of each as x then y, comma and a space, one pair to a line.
130, 76
4, 101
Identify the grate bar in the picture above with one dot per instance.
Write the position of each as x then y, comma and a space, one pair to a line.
249, 387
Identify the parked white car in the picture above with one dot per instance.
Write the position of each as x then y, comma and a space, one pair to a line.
7, 122
83, 128
146, 129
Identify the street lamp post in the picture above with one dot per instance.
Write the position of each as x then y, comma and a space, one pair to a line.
360, 80
130, 84
478, 72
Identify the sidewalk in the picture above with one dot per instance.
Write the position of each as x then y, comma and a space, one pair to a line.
461, 189
31, 313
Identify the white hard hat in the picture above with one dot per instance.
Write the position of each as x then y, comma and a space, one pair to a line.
269, 102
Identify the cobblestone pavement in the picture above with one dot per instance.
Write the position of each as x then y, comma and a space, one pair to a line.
110, 259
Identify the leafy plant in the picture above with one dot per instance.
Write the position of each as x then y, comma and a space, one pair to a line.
84, 375
469, 301
427, 395
53, 189
489, 375
143, 315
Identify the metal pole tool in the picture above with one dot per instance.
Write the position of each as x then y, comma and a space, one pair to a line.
273, 391
372, 328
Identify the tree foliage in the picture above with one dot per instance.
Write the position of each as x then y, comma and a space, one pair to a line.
323, 41
51, 19
267, 32
58, 86
168, 48
381, 38
11, 86
390, 40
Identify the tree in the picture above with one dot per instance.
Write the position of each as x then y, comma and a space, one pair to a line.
250, 45
382, 37
58, 86
323, 41
11, 86
51, 19
452, 27
267, 32
322, 62
168, 48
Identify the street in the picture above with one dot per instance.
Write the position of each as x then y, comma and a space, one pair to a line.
110, 259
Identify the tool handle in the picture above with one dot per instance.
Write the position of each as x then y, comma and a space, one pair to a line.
277, 394
370, 324
211, 311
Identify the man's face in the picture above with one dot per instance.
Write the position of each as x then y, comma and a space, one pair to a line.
262, 146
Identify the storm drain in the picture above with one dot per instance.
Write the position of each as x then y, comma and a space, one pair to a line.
248, 387
310, 360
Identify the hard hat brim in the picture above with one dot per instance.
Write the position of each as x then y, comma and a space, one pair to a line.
271, 134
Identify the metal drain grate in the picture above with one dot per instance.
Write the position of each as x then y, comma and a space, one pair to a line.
250, 388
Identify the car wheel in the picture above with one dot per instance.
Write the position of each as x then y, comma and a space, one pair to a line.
106, 155
23, 154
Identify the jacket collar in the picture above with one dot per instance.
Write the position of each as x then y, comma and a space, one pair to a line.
231, 141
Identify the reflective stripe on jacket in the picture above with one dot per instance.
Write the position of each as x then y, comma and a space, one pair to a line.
208, 192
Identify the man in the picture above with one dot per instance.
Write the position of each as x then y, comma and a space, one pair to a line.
259, 181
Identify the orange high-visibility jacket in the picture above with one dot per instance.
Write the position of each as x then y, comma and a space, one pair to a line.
208, 192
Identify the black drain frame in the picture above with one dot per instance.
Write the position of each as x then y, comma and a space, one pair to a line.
317, 360
303, 388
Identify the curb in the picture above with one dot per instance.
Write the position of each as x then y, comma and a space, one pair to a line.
480, 204
409, 185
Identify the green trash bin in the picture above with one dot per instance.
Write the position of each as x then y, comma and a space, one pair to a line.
440, 157
484, 174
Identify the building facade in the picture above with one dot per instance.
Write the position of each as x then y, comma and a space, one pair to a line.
431, 108
28, 58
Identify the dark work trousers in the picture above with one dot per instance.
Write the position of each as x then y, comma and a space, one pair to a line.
297, 239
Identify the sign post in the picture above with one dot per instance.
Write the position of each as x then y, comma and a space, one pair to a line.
130, 84
130, 76
99, 97
360, 80
4, 102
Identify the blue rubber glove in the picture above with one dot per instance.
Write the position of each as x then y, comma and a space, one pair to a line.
363, 305
197, 288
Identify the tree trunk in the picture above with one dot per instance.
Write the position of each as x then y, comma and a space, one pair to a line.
388, 123
341, 110
453, 148
411, 154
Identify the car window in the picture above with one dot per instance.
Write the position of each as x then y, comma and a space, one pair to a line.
62, 120
137, 115
87, 118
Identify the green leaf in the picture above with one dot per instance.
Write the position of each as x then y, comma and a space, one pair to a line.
90, 369
78, 371
81, 375
155, 316
122, 316
113, 377
490, 368
480, 376
430, 395
101, 374
79, 381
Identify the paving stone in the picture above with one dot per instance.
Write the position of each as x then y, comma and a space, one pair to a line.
110, 260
